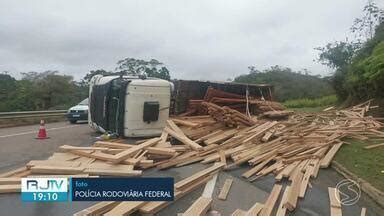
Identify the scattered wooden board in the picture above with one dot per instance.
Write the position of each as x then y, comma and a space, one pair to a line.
225, 189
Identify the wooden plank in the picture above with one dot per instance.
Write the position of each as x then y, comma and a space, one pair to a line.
221, 137
281, 210
257, 168
161, 151
260, 131
196, 176
183, 139
97, 209
209, 187
199, 207
271, 201
174, 127
125, 208
185, 122
13, 172
10, 181
56, 170
334, 198
10, 188
374, 146
65, 148
111, 172
131, 151
293, 193
255, 209
113, 145
326, 161
53, 163
239, 212
223, 158
305, 181
225, 189
363, 211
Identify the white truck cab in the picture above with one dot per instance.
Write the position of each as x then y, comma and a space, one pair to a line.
129, 106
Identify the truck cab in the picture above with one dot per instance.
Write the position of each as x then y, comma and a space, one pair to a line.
129, 106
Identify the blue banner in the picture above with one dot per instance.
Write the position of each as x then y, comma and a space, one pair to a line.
122, 189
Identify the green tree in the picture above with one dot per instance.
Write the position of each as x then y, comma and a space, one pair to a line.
337, 55
152, 68
364, 27
7, 90
87, 78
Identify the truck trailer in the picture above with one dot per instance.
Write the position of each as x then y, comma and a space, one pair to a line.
129, 106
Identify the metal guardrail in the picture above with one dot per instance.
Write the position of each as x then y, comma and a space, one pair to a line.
30, 114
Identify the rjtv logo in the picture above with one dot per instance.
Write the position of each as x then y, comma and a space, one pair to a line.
44, 189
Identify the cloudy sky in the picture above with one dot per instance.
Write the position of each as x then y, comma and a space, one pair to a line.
196, 39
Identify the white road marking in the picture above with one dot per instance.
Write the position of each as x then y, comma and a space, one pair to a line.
35, 131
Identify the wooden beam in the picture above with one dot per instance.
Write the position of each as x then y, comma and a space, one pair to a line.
183, 139
334, 198
196, 176
111, 172
294, 191
125, 208
281, 210
374, 146
131, 151
10, 188
97, 209
56, 170
199, 207
363, 211
255, 209
326, 161
225, 189
271, 201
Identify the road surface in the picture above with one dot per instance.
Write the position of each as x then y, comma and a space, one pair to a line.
18, 146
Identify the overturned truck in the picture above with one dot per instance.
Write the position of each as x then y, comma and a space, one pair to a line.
131, 106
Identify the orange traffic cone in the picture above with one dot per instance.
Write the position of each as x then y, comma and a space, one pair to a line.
42, 132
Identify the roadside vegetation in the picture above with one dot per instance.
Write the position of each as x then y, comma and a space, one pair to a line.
358, 63
289, 84
365, 163
317, 102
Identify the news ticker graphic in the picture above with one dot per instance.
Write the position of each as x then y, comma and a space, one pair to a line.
97, 189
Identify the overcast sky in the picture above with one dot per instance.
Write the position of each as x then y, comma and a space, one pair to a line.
196, 39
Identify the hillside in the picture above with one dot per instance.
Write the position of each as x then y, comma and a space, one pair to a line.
289, 84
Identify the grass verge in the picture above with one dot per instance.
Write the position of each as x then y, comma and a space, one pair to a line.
317, 102
365, 163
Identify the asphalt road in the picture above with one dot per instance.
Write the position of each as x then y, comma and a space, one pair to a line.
18, 146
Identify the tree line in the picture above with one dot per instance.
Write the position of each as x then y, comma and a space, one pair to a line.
52, 90
289, 84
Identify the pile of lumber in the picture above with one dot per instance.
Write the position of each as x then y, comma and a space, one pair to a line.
233, 101
293, 150
229, 117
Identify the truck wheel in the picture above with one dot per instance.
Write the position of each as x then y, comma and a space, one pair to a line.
72, 121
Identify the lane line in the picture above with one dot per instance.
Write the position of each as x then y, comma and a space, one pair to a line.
35, 131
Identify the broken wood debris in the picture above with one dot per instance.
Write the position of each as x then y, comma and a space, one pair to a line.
292, 149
